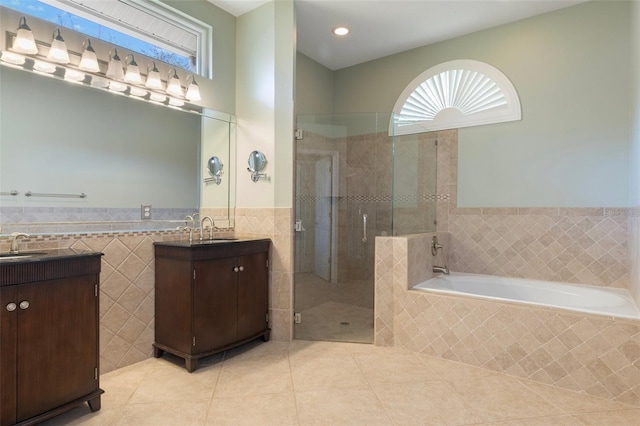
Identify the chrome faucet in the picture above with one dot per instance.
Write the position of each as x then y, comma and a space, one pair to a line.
435, 245
211, 228
441, 269
14, 241
187, 228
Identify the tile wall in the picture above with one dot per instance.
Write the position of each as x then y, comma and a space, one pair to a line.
127, 279
577, 245
276, 224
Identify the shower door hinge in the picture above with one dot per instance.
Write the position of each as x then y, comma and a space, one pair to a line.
299, 134
297, 318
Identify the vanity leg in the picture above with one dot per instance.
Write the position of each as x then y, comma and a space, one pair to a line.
191, 364
94, 404
157, 353
266, 336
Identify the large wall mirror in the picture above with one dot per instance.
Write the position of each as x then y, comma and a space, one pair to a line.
59, 140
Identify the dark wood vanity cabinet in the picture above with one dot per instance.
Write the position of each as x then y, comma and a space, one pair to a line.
49, 337
210, 297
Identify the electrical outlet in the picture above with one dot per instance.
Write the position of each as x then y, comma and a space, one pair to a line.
145, 211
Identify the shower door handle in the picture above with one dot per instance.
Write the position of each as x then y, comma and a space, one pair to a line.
364, 228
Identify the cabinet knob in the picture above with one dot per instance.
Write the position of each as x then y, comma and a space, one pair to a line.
236, 269
241, 268
24, 304
11, 307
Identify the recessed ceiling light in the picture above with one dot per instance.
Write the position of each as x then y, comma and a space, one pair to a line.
340, 31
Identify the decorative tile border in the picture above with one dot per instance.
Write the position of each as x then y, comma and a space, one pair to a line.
430, 198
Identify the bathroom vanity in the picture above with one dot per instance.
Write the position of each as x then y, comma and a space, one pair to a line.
210, 296
48, 334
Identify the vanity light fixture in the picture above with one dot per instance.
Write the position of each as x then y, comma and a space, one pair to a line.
136, 91
58, 50
114, 69
157, 97
153, 78
89, 60
193, 91
117, 86
24, 41
97, 81
73, 75
132, 74
12, 58
173, 87
44, 67
340, 31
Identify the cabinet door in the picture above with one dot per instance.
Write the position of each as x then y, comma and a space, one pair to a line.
253, 295
8, 321
57, 343
214, 304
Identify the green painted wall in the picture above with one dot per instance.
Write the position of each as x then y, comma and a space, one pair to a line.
571, 69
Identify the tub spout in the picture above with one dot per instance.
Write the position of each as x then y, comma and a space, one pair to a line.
441, 269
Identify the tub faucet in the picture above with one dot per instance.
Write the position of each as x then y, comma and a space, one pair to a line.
14, 241
441, 269
211, 228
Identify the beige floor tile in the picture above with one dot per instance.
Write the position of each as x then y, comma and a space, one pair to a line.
83, 416
326, 373
168, 413
425, 403
309, 349
254, 378
268, 409
257, 350
452, 371
540, 421
118, 388
340, 407
503, 398
573, 402
611, 418
170, 382
394, 367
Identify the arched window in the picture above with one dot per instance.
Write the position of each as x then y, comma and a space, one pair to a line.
455, 94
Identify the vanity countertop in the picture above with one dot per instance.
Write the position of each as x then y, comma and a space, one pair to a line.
30, 256
49, 264
222, 240
219, 247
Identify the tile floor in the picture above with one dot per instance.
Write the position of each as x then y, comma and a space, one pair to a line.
329, 383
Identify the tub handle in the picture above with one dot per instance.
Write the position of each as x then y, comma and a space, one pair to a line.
364, 228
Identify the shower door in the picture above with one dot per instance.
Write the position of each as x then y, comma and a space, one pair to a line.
343, 200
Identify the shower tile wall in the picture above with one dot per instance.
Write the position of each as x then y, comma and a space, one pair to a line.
364, 187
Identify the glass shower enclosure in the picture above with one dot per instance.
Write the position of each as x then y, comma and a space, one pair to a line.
354, 181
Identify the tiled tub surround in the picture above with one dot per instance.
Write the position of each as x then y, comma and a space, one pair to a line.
591, 354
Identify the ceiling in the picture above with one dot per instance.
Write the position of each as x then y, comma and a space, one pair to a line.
383, 27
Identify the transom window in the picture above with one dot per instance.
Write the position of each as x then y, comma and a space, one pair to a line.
147, 27
455, 94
